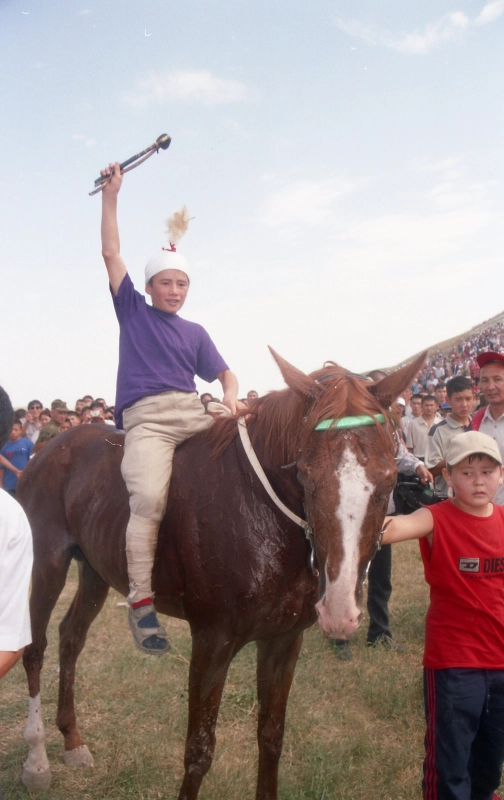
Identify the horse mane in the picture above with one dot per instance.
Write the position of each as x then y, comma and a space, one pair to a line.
282, 421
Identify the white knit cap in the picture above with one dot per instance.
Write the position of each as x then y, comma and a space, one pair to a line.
164, 259
168, 258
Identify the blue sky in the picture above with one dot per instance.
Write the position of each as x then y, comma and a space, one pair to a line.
343, 162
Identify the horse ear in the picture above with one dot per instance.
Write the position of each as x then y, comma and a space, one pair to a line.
392, 385
295, 379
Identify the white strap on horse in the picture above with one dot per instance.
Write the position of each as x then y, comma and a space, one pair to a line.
252, 457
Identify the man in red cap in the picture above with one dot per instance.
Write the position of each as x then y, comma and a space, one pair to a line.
490, 420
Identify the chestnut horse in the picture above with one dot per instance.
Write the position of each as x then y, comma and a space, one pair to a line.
228, 560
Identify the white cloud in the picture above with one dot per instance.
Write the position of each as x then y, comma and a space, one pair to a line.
451, 190
452, 194
447, 29
237, 129
186, 85
446, 166
78, 137
490, 12
450, 27
303, 203
269, 177
391, 247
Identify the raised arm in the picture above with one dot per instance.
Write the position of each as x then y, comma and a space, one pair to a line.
116, 267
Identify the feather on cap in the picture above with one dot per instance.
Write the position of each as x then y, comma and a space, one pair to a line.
168, 258
177, 225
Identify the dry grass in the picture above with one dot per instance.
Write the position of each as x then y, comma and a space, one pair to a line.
354, 730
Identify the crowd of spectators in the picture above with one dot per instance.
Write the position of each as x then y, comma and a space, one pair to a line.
444, 396
460, 359
421, 407
35, 425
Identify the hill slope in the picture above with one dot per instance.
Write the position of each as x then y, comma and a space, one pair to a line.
447, 344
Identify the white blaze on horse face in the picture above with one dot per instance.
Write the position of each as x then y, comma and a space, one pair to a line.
338, 611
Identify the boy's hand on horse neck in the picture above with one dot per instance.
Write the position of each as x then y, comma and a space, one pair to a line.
229, 385
231, 402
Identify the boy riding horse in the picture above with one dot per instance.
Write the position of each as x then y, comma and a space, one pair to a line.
156, 402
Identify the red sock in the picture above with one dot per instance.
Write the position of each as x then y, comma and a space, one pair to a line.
145, 602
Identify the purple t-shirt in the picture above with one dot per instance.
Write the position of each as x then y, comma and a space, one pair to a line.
158, 351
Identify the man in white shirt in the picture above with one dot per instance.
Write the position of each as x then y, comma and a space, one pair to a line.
415, 406
16, 557
31, 422
418, 431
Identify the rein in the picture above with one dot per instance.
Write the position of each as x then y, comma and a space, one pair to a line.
256, 465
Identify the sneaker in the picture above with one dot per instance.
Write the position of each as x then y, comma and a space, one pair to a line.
387, 642
341, 649
148, 635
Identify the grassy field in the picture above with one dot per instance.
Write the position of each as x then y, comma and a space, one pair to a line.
354, 729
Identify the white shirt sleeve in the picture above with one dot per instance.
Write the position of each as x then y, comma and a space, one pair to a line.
409, 435
16, 559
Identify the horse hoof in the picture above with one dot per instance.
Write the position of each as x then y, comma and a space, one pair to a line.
36, 781
80, 757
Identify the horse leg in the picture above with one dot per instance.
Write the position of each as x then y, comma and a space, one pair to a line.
48, 580
276, 662
212, 653
86, 605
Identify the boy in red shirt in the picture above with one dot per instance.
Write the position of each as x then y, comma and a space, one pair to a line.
462, 548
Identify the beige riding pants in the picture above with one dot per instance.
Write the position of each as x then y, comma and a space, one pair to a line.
154, 426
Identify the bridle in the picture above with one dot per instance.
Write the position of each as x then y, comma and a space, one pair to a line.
256, 466
350, 422
326, 424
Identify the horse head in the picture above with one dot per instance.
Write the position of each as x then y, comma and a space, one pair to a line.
346, 465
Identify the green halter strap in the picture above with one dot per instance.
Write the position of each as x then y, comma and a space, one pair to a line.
349, 422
